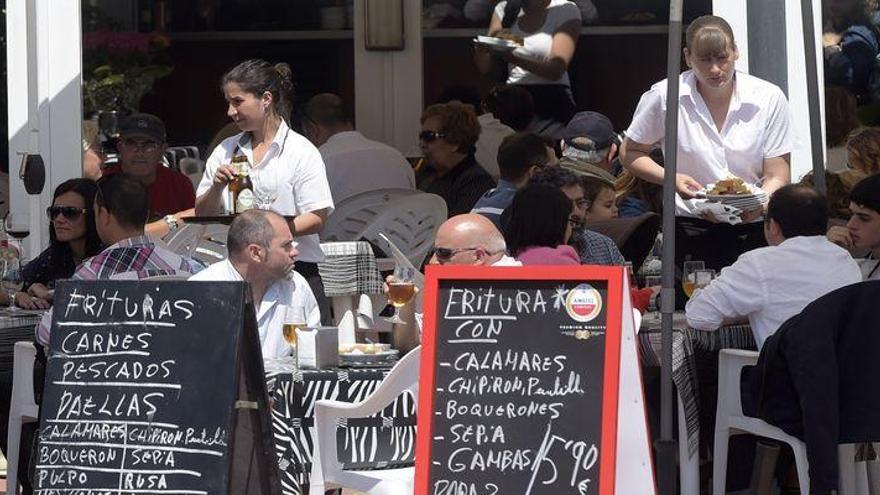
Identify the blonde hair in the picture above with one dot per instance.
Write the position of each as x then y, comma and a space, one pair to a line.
709, 36
865, 143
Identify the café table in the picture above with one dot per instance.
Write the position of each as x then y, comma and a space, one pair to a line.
694, 361
386, 440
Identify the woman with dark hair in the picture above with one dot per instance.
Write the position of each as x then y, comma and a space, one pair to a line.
448, 140
72, 238
540, 225
850, 44
548, 31
730, 123
285, 168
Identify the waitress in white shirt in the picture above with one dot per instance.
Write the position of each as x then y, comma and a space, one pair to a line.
283, 164
730, 123
550, 30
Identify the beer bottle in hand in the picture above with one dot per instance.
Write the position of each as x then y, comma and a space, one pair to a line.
242, 188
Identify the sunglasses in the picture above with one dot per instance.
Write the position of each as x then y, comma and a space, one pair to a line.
445, 254
68, 212
430, 136
148, 146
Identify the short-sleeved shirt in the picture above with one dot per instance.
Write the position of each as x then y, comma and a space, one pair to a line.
170, 193
495, 201
461, 187
758, 127
292, 169
537, 45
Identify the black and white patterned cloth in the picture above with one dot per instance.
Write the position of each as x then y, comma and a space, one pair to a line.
386, 440
16, 325
349, 268
689, 348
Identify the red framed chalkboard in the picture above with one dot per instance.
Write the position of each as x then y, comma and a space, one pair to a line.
519, 380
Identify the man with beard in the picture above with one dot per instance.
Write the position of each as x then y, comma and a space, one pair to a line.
262, 253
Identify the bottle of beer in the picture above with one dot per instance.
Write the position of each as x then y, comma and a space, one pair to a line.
242, 188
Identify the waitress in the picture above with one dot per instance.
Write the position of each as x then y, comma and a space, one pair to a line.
549, 30
730, 123
283, 164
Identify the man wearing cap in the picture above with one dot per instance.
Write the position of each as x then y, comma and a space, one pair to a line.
142, 145
589, 145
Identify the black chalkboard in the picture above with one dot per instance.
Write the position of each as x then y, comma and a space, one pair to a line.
518, 386
154, 387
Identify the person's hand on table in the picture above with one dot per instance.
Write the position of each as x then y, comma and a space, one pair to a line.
840, 235
27, 301
41, 291
686, 186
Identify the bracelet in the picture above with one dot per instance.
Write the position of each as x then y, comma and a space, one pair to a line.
172, 222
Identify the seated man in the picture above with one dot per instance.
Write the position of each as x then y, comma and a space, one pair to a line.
520, 156
142, 145
262, 253
863, 229
589, 146
771, 284
121, 208
354, 163
593, 247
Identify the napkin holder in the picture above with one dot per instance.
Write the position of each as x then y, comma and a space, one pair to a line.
318, 348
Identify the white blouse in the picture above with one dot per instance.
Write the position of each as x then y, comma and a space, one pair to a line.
758, 127
292, 169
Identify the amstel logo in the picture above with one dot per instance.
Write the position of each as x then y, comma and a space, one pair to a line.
583, 303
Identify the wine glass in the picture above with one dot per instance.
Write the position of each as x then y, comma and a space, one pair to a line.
689, 276
12, 282
16, 226
401, 289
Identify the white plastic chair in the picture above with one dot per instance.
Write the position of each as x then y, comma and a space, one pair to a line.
205, 243
327, 471
352, 215
730, 420
22, 409
411, 223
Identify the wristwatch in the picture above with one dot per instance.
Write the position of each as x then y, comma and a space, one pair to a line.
172, 222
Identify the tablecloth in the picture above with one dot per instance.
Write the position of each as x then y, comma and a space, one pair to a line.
349, 268
386, 440
687, 343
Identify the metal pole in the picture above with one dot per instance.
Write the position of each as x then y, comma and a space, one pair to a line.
809, 29
665, 447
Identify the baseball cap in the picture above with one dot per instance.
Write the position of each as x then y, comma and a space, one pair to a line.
593, 126
143, 124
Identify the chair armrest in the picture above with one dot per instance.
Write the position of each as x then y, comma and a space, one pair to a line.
730, 365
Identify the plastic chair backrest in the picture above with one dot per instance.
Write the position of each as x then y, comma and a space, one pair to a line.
352, 215
411, 223
205, 243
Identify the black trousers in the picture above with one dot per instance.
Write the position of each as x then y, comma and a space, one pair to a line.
309, 271
716, 244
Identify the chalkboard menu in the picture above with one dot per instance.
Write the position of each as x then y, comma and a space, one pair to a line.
153, 387
519, 381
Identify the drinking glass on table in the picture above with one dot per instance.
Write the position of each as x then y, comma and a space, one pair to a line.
12, 282
294, 319
401, 289
688, 276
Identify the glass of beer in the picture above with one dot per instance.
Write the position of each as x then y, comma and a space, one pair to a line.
294, 319
689, 276
400, 290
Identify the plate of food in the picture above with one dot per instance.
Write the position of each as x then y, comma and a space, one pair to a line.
732, 188
502, 41
366, 353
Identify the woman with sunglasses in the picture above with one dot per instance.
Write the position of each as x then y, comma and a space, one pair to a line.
72, 238
285, 168
540, 226
448, 140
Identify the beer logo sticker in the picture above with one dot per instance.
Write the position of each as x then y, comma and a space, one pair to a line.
583, 303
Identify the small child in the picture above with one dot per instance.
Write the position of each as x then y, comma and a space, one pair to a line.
600, 199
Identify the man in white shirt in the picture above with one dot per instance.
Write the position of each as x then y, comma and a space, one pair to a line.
862, 231
771, 284
262, 252
354, 163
